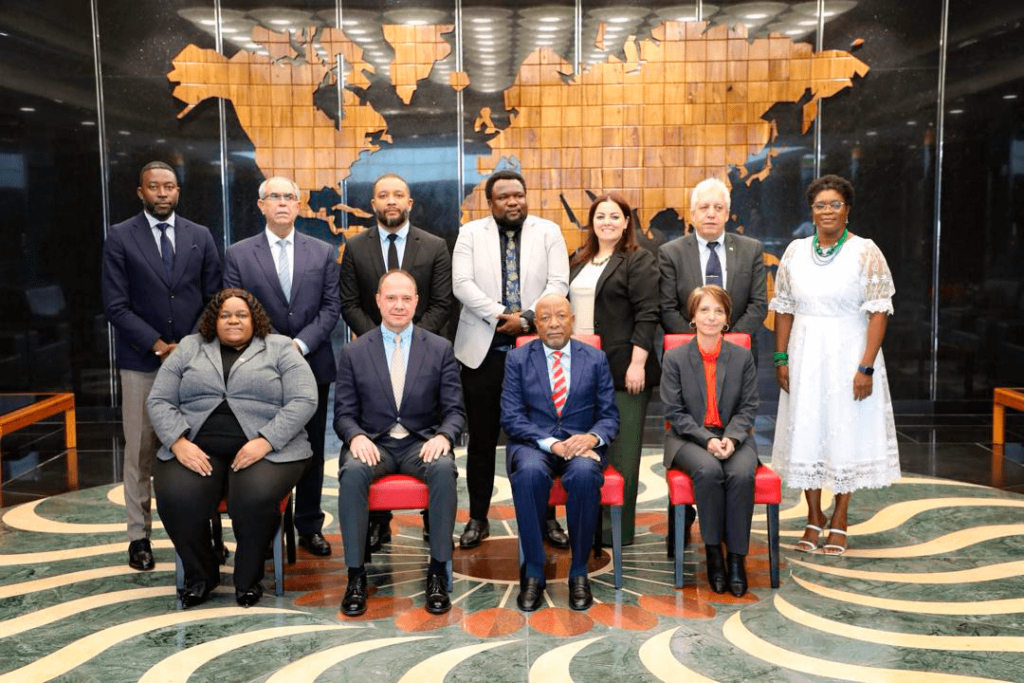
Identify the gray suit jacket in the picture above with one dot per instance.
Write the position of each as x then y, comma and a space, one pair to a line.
684, 393
679, 262
270, 389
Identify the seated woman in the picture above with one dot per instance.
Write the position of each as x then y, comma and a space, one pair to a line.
709, 388
229, 406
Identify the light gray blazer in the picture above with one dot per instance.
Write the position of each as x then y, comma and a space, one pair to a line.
270, 389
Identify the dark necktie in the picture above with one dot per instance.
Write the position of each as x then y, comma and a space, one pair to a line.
392, 252
713, 273
512, 298
166, 250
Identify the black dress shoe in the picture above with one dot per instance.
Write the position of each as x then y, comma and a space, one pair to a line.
580, 597
316, 544
140, 555
475, 532
531, 593
737, 574
378, 534
555, 535
437, 594
716, 567
354, 602
195, 595
249, 596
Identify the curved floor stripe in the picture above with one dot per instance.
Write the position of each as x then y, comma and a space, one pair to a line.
991, 572
948, 543
654, 484
434, 669
656, 655
896, 639
49, 615
935, 482
553, 665
82, 650
35, 585
25, 518
978, 607
309, 668
178, 667
737, 634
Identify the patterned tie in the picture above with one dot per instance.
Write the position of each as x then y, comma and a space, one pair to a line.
392, 252
398, 386
166, 250
512, 299
284, 270
713, 274
558, 394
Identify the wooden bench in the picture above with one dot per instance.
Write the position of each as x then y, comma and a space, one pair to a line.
1003, 398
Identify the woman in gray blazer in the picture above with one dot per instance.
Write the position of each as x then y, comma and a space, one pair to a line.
229, 406
709, 388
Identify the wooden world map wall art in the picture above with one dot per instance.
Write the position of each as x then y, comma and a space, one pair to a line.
685, 105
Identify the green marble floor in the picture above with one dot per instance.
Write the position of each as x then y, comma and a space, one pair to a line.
932, 589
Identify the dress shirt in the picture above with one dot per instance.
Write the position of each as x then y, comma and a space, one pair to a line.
153, 222
583, 295
566, 360
705, 254
400, 241
389, 344
272, 240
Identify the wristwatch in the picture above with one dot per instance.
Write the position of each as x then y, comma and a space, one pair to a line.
866, 369
524, 323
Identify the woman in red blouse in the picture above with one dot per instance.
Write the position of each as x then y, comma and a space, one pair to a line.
709, 388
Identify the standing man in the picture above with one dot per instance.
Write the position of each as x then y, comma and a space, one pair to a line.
391, 244
159, 270
397, 409
558, 410
295, 277
501, 267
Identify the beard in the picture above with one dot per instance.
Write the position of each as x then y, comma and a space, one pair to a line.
155, 213
392, 222
510, 223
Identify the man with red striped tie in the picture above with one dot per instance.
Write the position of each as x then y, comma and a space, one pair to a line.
558, 411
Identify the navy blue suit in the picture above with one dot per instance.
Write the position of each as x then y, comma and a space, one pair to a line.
528, 415
311, 315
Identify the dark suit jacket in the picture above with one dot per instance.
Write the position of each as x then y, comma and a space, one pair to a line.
679, 262
684, 393
315, 306
528, 411
626, 312
364, 402
426, 258
141, 303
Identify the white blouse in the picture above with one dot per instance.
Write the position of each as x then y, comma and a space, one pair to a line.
582, 293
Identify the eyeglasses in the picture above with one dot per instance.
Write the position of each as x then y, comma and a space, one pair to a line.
821, 206
275, 197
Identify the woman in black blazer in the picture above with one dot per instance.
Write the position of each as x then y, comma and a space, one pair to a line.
613, 289
709, 388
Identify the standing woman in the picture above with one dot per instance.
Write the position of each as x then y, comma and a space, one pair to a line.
833, 296
613, 289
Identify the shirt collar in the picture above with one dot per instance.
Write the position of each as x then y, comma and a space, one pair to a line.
273, 239
402, 232
389, 336
566, 350
704, 243
154, 221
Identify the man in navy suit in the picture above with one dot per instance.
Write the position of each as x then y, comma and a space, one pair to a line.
558, 410
397, 408
159, 270
295, 277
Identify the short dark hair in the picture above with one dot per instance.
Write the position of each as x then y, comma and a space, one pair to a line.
397, 271
716, 293
831, 182
261, 326
506, 174
157, 164
385, 177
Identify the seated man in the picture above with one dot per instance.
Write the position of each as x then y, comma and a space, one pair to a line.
558, 410
394, 383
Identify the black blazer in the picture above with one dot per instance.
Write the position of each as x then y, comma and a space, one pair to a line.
626, 312
684, 393
426, 258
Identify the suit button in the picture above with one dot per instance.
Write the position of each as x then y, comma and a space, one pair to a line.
172, 295
170, 321
290, 314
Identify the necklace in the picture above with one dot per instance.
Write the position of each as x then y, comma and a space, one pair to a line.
823, 257
600, 261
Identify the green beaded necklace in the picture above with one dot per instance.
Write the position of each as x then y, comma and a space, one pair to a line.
826, 255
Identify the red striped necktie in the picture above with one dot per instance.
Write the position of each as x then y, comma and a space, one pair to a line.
558, 395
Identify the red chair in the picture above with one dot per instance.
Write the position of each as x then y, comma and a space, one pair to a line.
612, 491
767, 488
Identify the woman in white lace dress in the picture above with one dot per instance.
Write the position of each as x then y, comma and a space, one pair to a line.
833, 296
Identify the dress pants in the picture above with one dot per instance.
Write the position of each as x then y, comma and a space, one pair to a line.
187, 500
397, 456
624, 454
532, 472
140, 447
724, 491
309, 518
481, 387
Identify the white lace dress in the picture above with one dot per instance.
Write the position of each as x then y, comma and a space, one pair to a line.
823, 438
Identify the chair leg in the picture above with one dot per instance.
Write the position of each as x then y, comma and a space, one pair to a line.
289, 530
679, 518
773, 542
448, 568
179, 577
670, 537
279, 560
617, 543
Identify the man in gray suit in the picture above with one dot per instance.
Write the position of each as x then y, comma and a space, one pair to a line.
295, 278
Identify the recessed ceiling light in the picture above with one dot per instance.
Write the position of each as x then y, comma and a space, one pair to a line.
123, 132
872, 133
618, 20
229, 30
357, 31
911, 123
88, 123
281, 22
481, 20
28, 109
208, 22
160, 141
755, 15
1011, 96
956, 111
550, 20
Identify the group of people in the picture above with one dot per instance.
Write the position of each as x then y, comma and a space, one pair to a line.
239, 408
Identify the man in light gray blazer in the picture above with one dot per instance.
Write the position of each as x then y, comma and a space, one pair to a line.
501, 266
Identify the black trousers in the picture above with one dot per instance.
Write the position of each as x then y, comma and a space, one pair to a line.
186, 501
481, 387
309, 517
